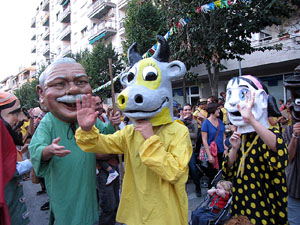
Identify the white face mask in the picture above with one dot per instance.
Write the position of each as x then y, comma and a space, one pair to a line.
237, 90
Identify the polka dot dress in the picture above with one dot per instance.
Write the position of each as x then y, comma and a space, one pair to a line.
261, 193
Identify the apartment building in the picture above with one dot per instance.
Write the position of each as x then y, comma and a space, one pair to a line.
64, 26
10, 84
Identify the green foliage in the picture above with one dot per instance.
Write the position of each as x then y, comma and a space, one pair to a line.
27, 95
96, 65
143, 22
220, 34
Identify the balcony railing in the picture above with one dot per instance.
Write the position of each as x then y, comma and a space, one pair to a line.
286, 40
46, 51
65, 16
33, 20
33, 49
45, 20
46, 34
33, 38
65, 51
66, 33
104, 29
123, 4
45, 5
121, 27
99, 8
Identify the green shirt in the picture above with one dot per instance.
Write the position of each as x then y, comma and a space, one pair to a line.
70, 180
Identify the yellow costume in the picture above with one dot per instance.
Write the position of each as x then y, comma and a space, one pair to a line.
153, 190
203, 113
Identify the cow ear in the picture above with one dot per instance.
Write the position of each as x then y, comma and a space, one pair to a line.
176, 70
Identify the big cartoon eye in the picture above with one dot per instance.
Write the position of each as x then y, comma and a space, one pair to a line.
297, 101
228, 95
131, 74
149, 73
243, 93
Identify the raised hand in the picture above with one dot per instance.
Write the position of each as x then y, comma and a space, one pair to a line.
235, 140
145, 127
246, 109
296, 129
86, 115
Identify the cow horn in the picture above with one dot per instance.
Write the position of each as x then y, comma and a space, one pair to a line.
162, 53
133, 55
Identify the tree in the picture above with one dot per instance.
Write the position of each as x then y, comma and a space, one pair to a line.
96, 65
221, 33
143, 22
27, 93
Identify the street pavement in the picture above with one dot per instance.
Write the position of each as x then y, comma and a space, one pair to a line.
38, 217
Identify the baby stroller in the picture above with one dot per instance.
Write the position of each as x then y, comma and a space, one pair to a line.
224, 214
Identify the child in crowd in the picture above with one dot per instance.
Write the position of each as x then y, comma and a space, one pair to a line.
219, 198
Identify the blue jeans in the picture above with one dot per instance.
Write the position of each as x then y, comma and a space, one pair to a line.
293, 210
202, 216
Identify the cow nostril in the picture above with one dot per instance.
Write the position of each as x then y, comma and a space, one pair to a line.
138, 99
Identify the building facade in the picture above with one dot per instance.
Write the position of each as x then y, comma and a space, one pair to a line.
60, 27
70, 26
272, 67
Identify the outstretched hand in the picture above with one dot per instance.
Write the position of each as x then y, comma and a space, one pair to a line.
246, 109
86, 114
235, 140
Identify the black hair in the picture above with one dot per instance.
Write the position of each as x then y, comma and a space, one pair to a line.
212, 108
187, 104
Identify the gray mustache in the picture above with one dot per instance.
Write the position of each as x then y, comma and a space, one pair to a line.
69, 98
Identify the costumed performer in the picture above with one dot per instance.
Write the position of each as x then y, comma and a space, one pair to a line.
258, 157
156, 149
291, 135
70, 174
11, 120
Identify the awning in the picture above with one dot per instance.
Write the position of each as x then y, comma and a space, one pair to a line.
65, 2
97, 38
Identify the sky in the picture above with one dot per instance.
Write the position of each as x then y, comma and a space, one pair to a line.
16, 33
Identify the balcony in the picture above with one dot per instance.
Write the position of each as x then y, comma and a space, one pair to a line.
65, 16
99, 8
65, 51
63, 2
45, 20
65, 34
46, 50
33, 38
123, 4
33, 22
121, 27
46, 35
104, 29
45, 5
33, 49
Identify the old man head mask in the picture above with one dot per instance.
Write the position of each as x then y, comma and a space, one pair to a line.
238, 90
59, 86
148, 92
